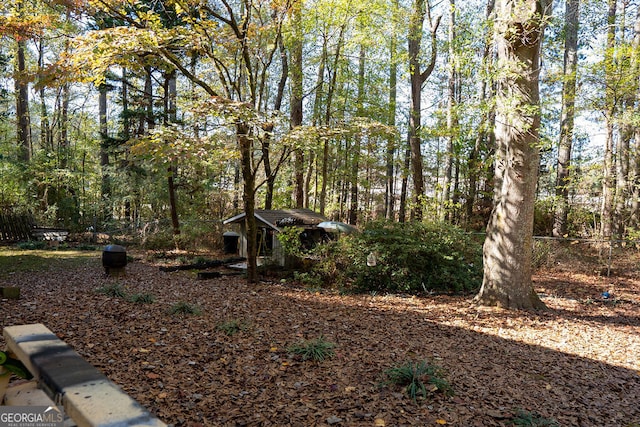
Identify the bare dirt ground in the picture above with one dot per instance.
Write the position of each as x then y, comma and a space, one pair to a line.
577, 363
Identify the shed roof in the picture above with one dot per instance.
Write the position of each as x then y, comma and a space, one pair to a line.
276, 218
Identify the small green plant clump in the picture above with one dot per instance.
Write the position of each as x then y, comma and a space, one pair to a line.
185, 309
317, 349
232, 327
114, 290
142, 298
531, 419
419, 378
32, 245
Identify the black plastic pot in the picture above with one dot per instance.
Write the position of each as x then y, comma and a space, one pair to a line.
114, 257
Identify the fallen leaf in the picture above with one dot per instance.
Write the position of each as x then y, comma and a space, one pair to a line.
379, 422
441, 421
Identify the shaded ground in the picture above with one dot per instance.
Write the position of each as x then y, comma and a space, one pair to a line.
578, 363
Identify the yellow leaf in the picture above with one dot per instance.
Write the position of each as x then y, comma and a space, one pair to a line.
273, 349
349, 389
441, 421
379, 422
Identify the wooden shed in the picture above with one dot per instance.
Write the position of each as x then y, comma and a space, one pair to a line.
272, 222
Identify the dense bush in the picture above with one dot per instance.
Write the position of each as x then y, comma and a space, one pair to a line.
410, 257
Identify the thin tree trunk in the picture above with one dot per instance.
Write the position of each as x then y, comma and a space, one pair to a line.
172, 170
269, 172
22, 104
46, 135
317, 105
634, 167
64, 127
608, 194
296, 100
572, 22
245, 146
355, 161
389, 196
451, 113
402, 213
417, 76
104, 152
474, 163
327, 117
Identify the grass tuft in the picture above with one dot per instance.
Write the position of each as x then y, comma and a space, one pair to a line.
419, 378
232, 327
142, 298
531, 419
114, 290
185, 309
317, 349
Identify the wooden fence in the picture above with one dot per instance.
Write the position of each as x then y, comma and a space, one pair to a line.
14, 228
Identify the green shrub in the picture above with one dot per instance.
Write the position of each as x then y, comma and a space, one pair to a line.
317, 349
114, 290
411, 257
532, 419
419, 378
185, 309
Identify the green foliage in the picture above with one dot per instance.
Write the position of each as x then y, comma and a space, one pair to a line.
419, 378
309, 279
114, 290
160, 239
183, 308
316, 349
532, 419
142, 298
290, 241
412, 257
543, 217
232, 327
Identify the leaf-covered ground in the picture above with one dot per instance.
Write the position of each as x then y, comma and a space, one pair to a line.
577, 363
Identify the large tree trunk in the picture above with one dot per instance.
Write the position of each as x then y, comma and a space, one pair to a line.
509, 242
567, 118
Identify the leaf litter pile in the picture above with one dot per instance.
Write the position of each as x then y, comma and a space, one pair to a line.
218, 352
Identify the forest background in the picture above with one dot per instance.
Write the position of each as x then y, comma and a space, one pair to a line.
125, 114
